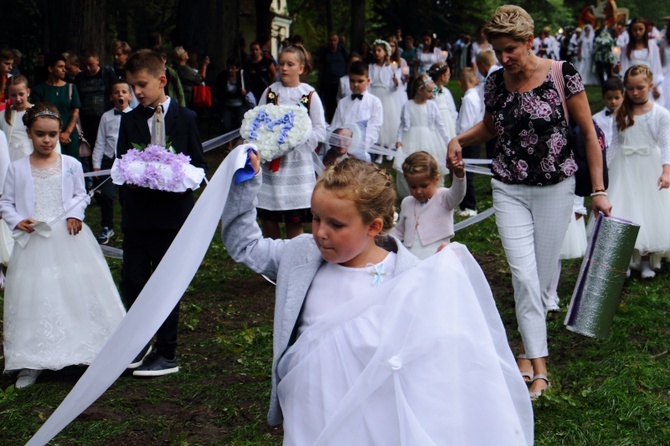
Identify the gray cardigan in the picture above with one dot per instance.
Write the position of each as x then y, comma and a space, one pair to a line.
293, 263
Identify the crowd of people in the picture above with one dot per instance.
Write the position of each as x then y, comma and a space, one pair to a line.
348, 292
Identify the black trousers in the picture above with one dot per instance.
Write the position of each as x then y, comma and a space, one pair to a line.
106, 195
143, 250
470, 201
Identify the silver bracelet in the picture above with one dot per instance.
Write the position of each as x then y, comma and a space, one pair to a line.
595, 194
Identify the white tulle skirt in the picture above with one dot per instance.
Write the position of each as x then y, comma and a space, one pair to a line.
389, 129
635, 196
423, 360
422, 138
574, 245
61, 303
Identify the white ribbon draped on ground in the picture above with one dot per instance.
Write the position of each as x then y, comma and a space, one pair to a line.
159, 296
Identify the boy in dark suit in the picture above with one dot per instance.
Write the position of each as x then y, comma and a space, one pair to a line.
151, 219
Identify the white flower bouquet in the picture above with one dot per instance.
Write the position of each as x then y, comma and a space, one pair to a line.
158, 168
275, 129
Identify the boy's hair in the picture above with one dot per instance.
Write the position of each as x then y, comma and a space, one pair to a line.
6, 54
624, 115
90, 52
421, 163
233, 61
409, 39
486, 57
613, 84
359, 68
148, 60
367, 185
467, 76
121, 80
120, 45
44, 109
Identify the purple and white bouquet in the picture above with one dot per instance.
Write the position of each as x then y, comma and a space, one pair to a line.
275, 129
158, 168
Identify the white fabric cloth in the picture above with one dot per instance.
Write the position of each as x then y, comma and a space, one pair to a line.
108, 134
472, 111
291, 186
382, 86
606, 124
574, 245
427, 59
635, 162
353, 111
4, 160
665, 86
344, 89
585, 59
532, 222
447, 106
17, 135
422, 128
405, 365
61, 303
335, 285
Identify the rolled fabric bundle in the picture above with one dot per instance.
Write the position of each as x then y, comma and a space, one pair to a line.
601, 277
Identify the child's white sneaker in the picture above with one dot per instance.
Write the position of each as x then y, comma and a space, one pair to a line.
553, 303
27, 377
646, 271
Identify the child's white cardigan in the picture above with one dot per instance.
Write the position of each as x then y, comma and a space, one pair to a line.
18, 198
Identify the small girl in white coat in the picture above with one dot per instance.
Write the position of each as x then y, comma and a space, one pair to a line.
61, 303
421, 128
427, 216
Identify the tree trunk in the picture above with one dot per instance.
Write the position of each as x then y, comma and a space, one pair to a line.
225, 43
357, 25
75, 25
263, 20
329, 18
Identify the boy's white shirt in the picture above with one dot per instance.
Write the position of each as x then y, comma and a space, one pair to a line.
352, 111
606, 124
108, 134
472, 111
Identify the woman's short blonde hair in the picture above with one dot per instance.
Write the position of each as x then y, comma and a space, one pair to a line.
510, 21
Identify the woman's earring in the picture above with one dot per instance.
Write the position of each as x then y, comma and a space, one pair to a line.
527, 53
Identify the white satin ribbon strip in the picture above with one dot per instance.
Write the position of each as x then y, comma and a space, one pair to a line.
472, 220
159, 296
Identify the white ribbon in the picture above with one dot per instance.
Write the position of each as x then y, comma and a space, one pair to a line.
159, 296
641, 151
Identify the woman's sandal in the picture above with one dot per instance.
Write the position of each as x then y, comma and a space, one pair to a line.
535, 395
527, 376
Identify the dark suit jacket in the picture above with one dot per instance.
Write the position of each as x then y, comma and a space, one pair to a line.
144, 208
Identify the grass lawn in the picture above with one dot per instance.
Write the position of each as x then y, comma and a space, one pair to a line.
614, 392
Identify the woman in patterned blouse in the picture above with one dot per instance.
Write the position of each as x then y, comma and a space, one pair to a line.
533, 170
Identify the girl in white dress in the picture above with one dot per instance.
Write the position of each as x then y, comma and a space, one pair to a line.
61, 303
421, 128
11, 120
641, 50
428, 54
639, 168
288, 181
440, 74
371, 346
585, 56
383, 83
665, 60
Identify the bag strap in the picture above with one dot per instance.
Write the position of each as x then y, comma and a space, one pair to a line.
557, 73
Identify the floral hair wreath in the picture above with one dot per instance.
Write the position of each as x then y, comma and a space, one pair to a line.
424, 81
384, 44
438, 68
